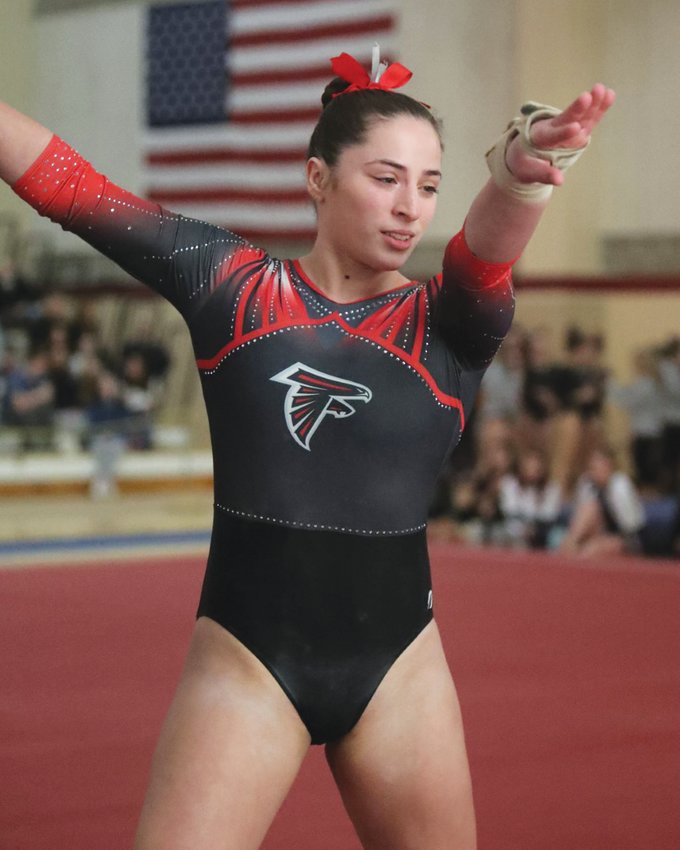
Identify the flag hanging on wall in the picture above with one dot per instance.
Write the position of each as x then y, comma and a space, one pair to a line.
233, 93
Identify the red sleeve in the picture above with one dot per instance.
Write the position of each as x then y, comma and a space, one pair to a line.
182, 259
466, 269
475, 304
63, 186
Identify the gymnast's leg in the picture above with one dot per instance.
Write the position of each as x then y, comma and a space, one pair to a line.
230, 748
403, 770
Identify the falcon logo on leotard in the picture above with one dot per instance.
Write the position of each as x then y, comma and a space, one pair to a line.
312, 396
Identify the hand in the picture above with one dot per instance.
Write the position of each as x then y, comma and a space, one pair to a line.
572, 128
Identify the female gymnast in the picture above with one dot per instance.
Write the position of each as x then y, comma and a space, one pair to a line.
334, 387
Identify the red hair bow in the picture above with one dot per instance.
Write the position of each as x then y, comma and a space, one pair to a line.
347, 68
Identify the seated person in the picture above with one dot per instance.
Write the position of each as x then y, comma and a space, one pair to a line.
29, 400
529, 502
140, 393
608, 514
642, 399
476, 497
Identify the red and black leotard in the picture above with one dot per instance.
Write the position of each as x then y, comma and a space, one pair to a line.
329, 425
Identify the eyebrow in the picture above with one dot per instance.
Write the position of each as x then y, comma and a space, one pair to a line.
432, 172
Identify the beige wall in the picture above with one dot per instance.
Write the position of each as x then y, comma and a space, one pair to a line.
642, 52
17, 66
558, 55
460, 53
629, 182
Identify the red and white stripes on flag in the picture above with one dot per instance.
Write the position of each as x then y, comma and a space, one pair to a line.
247, 173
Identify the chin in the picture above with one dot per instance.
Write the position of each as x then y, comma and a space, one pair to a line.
393, 262
392, 265
398, 262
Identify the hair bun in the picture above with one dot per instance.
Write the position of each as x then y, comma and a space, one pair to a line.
335, 86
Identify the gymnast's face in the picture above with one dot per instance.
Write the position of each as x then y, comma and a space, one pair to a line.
378, 200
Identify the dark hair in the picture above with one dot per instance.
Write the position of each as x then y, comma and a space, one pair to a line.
345, 120
574, 338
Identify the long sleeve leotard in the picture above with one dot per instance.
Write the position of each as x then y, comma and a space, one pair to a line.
329, 423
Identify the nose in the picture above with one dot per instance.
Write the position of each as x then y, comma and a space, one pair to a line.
407, 203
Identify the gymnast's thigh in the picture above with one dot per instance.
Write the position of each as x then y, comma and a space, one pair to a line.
230, 748
403, 770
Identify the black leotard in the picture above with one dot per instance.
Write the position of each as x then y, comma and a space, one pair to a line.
329, 424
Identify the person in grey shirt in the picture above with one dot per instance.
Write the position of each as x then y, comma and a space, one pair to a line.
642, 400
669, 377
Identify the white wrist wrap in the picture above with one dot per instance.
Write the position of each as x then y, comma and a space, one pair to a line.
561, 158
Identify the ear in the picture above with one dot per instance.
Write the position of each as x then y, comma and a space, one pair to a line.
318, 178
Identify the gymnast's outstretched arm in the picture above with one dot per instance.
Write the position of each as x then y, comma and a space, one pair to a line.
182, 259
501, 222
476, 304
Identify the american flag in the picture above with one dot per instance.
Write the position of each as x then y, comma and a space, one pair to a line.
233, 93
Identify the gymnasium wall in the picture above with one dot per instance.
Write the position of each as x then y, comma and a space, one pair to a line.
628, 183
17, 66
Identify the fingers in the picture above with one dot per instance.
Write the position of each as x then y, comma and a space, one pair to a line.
576, 110
570, 129
589, 107
603, 98
529, 169
573, 126
540, 171
548, 134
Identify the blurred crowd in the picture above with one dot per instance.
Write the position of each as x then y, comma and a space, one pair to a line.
61, 388
536, 467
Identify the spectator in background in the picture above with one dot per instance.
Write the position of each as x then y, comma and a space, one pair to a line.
86, 365
529, 502
669, 378
608, 514
476, 496
59, 355
86, 321
499, 402
642, 400
540, 401
13, 290
580, 385
108, 434
145, 363
68, 417
140, 394
29, 399
13, 358
4, 369
50, 311
155, 356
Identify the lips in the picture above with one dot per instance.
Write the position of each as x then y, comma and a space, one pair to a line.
399, 239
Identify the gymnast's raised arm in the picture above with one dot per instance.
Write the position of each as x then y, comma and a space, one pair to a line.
178, 257
529, 159
526, 162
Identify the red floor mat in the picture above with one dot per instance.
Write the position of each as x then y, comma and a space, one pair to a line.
569, 677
